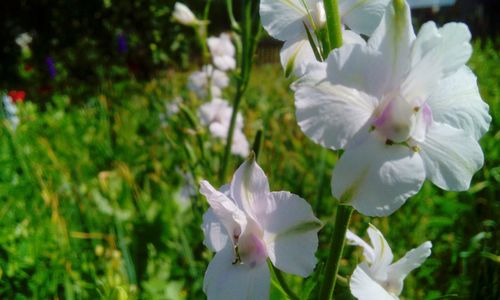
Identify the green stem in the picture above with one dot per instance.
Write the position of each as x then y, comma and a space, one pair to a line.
342, 219
249, 36
333, 24
283, 283
229, 141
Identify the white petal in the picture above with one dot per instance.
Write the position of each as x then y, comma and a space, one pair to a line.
362, 16
295, 55
283, 19
290, 233
400, 269
393, 38
357, 66
351, 37
354, 240
363, 287
451, 157
215, 234
332, 114
377, 178
233, 219
436, 54
218, 129
250, 189
227, 281
457, 102
383, 255
447, 48
224, 62
240, 144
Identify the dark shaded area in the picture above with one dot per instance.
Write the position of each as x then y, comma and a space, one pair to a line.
86, 42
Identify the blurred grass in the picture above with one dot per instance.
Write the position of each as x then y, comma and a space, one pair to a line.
91, 203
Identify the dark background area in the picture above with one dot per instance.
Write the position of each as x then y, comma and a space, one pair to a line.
82, 38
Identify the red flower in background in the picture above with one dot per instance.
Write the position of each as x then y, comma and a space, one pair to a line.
17, 96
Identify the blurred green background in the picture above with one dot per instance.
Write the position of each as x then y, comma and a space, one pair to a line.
94, 197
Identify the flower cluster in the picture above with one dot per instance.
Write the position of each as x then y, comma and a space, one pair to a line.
211, 80
216, 115
404, 107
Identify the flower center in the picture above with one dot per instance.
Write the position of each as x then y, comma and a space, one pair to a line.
250, 248
398, 120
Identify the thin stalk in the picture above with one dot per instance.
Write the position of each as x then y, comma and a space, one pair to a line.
250, 31
342, 220
333, 24
284, 286
229, 141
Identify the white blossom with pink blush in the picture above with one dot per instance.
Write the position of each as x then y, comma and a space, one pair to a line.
378, 277
216, 115
245, 225
404, 108
222, 51
285, 21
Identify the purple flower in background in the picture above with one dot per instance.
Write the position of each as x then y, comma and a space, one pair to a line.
122, 43
51, 65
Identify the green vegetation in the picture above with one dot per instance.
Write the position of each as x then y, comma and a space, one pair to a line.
91, 204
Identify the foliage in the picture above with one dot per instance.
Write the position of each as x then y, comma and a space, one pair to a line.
91, 203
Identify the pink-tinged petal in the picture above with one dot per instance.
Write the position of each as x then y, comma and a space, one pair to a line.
250, 189
331, 115
362, 16
359, 67
393, 38
354, 240
215, 233
457, 102
233, 219
377, 178
290, 233
363, 287
399, 270
451, 157
295, 55
227, 281
383, 254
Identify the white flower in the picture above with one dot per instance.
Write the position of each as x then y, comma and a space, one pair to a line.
183, 15
24, 40
187, 191
198, 82
404, 108
245, 225
171, 108
216, 114
222, 50
285, 21
10, 111
377, 277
